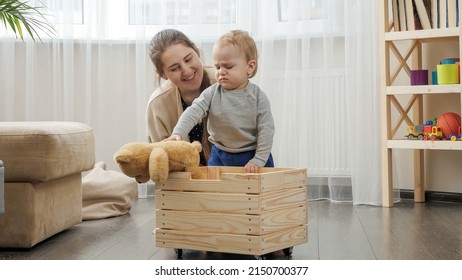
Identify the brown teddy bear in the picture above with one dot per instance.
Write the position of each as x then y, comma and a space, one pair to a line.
144, 161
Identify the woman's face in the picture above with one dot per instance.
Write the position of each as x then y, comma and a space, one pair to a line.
182, 66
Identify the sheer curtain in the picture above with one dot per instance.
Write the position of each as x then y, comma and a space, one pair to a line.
321, 75
318, 65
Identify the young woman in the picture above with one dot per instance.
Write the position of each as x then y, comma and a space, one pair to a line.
240, 121
176, 59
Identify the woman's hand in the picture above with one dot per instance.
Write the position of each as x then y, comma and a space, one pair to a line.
173, 137
251, 167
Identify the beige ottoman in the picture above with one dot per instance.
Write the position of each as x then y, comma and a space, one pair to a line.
43, 162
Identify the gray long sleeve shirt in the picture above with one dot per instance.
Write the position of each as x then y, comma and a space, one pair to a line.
238, 120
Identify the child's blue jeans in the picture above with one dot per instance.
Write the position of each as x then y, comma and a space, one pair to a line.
222, 158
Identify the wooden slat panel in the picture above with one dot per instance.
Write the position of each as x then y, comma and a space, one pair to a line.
252, 185
232, 223
284, 218
268, 180
231, 243
213, 242
283, 199
284, 239
239, 169
230, 203
235, 180
208, 222
204, 201
286, 179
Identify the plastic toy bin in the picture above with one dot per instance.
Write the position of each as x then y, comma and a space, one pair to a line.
227, 210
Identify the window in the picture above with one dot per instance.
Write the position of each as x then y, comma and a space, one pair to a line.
64, 11
310, 18
200, 19
181, 12
290, 10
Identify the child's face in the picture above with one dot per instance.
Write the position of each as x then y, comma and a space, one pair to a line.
232, 67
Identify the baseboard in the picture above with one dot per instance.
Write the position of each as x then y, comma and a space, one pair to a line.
434, 196
151, 189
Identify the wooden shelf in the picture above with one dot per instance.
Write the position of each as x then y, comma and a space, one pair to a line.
424, 35
430, 89
425, 145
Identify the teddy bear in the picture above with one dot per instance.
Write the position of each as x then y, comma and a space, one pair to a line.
144, 161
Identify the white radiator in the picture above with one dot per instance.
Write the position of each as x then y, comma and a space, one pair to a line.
311, 118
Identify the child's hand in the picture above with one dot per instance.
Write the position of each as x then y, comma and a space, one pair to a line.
251, 167
173, 137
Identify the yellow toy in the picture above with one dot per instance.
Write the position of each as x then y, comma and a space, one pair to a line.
144, 161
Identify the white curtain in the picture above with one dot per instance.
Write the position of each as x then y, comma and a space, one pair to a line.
318, 65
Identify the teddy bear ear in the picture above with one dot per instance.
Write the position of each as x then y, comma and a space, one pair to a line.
123, 156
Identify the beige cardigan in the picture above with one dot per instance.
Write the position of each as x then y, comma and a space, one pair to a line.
164, 109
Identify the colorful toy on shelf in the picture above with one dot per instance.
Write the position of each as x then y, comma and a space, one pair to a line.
435, 133
449, 123
427, 131
454, 137
419, 77
448, 71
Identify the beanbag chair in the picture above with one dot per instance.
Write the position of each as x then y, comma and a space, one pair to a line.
107, 193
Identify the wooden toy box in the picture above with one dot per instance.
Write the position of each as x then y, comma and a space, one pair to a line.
229, 211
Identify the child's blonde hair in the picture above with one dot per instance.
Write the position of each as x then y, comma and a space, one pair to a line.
244, 42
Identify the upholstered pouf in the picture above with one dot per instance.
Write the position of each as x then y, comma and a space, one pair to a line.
43, 162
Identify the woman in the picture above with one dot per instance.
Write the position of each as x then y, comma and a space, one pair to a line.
176, 59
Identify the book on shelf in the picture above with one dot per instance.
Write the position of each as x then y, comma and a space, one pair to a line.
395, 12
434, 13
442, 10
410, 18
402, 15
423, 8
452, 12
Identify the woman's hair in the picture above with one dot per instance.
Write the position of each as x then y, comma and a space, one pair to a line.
244, 42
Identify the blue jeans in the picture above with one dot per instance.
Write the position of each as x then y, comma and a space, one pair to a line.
222, 158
